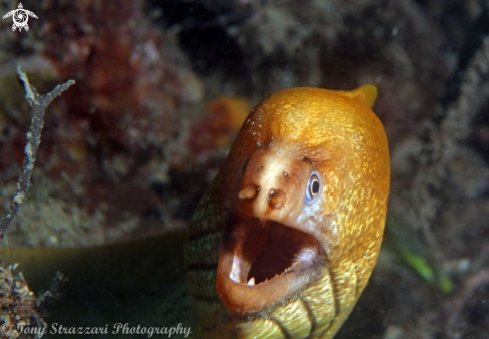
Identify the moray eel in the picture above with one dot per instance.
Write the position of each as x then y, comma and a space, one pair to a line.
283, 242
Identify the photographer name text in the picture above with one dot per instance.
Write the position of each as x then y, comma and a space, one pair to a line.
118, 328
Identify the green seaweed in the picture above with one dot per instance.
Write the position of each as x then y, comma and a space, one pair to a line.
416, 254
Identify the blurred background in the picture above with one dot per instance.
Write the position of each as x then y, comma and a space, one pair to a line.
162, 88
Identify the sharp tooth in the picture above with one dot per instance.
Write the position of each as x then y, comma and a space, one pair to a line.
237, 264
252, 282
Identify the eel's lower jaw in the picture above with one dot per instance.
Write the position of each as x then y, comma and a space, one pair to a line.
242, 292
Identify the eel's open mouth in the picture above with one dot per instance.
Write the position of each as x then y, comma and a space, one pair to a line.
262, 262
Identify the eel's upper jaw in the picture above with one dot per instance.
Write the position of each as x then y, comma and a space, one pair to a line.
264, 262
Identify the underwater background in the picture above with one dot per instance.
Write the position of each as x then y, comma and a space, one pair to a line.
162, 88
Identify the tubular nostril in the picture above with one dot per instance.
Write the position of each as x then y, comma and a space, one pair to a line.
276, 199
248, 192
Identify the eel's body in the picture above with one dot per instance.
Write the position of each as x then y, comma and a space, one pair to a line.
285, 239
281, 245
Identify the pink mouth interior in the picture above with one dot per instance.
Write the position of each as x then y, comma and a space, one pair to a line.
265, 249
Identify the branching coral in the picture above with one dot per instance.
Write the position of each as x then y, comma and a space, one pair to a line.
38, 104
18, 305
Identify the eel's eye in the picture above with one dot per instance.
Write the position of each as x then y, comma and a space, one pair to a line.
314, 188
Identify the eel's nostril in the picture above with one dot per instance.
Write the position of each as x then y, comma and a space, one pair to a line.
249, 192
276, 199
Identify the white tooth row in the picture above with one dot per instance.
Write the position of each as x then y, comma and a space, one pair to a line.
235, 277
305, 255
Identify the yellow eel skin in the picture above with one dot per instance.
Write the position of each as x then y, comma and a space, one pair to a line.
263, 259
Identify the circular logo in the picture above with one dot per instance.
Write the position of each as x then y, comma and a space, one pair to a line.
20, 17
5, 328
